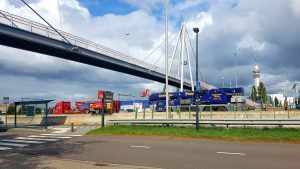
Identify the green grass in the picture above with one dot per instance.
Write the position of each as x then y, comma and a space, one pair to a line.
282, 135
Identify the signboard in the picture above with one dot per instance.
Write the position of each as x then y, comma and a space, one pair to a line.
108, 95
5, 100
100, 94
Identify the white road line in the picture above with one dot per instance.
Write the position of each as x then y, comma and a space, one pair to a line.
33, 136
241, 154
139, 147
13, 144
5, 148
59, 134
22, 141
36, 139
61, 130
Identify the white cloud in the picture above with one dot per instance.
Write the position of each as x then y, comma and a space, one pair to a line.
295, 6
249, 42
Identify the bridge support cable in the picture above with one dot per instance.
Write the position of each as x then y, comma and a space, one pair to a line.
190, 69
74, 47
199, 71
181, 57
160, 45
175, 49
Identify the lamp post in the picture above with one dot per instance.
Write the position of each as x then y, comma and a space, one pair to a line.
166, 57
223, 81
235, 70
196, 30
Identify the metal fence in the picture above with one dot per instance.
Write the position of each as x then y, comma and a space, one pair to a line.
189, 113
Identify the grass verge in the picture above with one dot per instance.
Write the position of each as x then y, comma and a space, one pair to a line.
280, 135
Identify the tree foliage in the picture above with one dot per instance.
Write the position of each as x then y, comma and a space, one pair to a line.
254, 94
259, 94
276, 102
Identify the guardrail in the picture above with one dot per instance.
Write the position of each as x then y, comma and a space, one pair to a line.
212, 122
41, 29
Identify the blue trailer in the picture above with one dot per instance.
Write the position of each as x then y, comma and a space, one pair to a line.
215, 99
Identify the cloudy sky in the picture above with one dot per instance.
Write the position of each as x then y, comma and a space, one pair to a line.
267, 29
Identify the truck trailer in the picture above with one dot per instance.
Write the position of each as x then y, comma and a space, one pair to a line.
222, 99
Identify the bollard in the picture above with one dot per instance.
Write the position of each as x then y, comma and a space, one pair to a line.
288, 113
189, 112
136, 113
144, 115
210, 112
72, 127
152, 112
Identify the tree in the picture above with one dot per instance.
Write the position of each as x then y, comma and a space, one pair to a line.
262, 93
11, 109
254, 94
276, 102
21, 110
38, 110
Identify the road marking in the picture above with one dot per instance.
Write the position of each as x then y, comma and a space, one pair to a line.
59, 134
22, 141
241, 154
139, 147
36, 139
61, 130
5, 148
48, 137
13, 144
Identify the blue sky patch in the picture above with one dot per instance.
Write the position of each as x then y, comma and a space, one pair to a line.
102, 7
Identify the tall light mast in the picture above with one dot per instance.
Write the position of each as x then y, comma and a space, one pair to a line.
166, 57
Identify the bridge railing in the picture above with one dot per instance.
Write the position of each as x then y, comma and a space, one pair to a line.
41, 29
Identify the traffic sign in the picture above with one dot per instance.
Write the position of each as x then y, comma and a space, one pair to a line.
5, 100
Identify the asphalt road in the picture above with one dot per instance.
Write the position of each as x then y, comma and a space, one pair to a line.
159, 152
187, 153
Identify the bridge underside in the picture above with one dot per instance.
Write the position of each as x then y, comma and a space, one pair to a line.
21, 39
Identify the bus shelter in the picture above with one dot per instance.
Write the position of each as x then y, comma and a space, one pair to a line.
44, 121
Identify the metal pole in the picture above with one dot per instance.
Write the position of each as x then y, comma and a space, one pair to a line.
59, 15
6, 115
46, 111
223, 82
166, 56
196, 30
235, 70
102, 114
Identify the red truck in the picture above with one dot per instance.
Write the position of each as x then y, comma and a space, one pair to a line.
63, 107
110, 105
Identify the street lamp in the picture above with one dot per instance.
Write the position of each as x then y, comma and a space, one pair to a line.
235, 70
196, 30
223, 82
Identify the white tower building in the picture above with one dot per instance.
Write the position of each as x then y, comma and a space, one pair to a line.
256, 75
